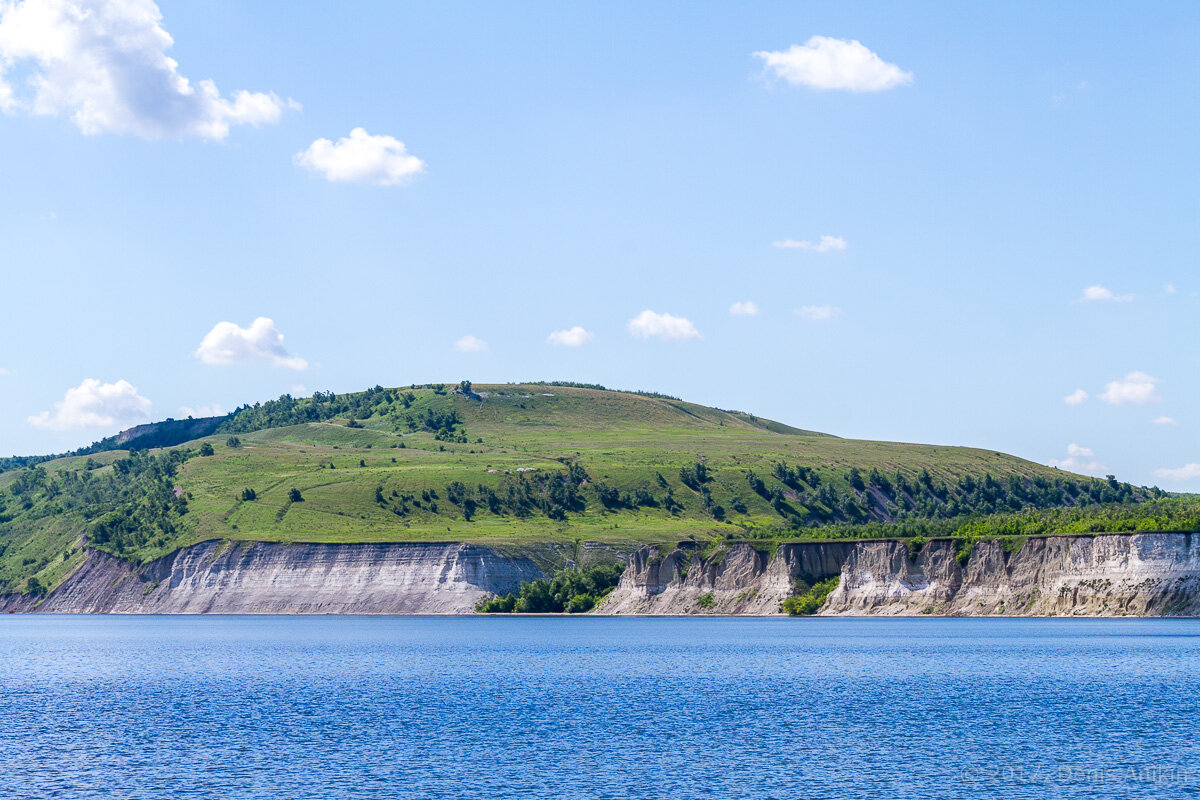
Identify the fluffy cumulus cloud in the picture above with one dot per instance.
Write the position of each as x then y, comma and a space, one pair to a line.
1076, 397
571, 337
650, 324
1164, 421
1188, 472
818, 313
93, 404
827, 63
825, 244
1098, 294
361, 158
471, 344
105, 64
1079, 459
227, 343
744, 308
1135, 389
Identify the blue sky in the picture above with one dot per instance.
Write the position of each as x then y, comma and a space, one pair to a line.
577, 165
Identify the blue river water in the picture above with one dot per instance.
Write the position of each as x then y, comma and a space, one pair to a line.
502, 707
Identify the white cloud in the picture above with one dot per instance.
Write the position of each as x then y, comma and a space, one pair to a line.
818, 313
1076, 397
1169, 288
226, 344
299, 390
1135, 389
1099, 293
1079, 459
93, 404
823, 245
827, 63
471, 344
105, 63
362, 158
662, 326
4, 372
571, 337
744, 308
1164, 421
214, 410
1188, 472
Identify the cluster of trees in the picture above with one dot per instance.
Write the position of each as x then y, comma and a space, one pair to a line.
809, 597
554, 494
130, 507
573, 590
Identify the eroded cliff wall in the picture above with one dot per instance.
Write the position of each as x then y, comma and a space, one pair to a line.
270, 578
1149, 574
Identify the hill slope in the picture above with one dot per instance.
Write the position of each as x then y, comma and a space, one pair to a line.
502, 464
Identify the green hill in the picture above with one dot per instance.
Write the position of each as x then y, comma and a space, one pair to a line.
505, 464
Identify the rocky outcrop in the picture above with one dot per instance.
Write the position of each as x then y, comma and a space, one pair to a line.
271, 578
1149, 574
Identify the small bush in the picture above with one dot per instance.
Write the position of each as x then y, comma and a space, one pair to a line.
915, 545
706, 600
295, 496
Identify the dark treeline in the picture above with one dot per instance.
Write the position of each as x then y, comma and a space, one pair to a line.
802, 498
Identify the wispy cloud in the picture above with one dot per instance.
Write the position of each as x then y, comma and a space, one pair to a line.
1164, 420
818, 313
744, 308
825, 244
1076, 397
1079, 459
1135, 389
361, 158
1188, 472
105, 64
650, 324
1093, 294
228, 344
93, 404
834, 64
471, 344
570, 337
214, 410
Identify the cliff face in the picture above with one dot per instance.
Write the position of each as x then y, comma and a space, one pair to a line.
740, 580
267, 578
1150, 574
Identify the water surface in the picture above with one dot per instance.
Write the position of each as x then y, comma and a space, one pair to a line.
497, 708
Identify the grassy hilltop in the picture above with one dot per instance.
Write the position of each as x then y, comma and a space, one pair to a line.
506, 464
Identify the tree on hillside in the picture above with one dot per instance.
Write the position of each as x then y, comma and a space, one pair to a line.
295, 496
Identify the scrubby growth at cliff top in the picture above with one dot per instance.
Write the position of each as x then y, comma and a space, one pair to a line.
520, 462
